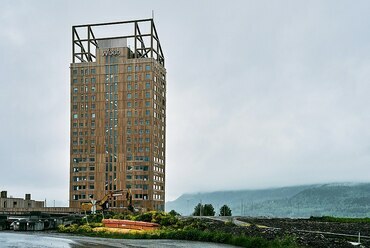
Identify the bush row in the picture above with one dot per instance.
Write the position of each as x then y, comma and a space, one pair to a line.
162, 218
184, 234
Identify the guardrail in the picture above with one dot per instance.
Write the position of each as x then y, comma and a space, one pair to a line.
56, 210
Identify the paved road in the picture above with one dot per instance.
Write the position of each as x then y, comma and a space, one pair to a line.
46, 240
223, 219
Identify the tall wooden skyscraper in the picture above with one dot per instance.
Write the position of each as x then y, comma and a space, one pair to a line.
118, 114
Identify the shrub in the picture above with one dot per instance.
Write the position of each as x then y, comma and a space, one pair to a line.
61, 228
147, 217
84, 229
73, 228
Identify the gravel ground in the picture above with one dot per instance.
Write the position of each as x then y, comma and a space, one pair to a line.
310, 233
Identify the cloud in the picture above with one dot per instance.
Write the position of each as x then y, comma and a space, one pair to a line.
259, 93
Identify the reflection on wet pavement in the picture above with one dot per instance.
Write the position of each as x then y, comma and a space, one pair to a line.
55, 240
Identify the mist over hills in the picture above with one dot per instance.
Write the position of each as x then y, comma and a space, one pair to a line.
339, 199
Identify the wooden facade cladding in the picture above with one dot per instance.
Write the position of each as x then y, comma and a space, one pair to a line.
118, 124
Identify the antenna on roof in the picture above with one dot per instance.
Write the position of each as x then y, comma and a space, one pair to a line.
153, 14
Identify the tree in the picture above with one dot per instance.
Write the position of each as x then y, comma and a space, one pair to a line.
174, 213
209, 210
225, 211
197, 210
204, 210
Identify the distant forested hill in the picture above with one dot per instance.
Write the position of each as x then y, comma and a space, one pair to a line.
344, 199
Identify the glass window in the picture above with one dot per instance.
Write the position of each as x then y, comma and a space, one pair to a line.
93, 115
114, 69
93, 71
75, 80
147, 104
129, 113
74, 71
75, 116
147, 94
129, 68
128, 86
129, 77
75, 90
147, 112
129, 104
147, 76
147, 85
147, 67
129, 96
93, 80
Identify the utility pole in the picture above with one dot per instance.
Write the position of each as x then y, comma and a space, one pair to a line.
201, 206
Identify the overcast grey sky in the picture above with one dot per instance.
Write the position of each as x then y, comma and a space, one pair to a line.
260, 93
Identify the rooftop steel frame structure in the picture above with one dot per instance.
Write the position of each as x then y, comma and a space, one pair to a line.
146, 45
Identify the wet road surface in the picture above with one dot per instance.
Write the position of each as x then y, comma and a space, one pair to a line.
46, 240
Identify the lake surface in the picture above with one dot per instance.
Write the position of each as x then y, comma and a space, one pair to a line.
45, 240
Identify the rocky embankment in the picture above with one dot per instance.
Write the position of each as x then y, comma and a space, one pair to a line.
308, 233
305, 232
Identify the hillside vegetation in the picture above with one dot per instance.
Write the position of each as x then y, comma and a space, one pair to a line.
342, 200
